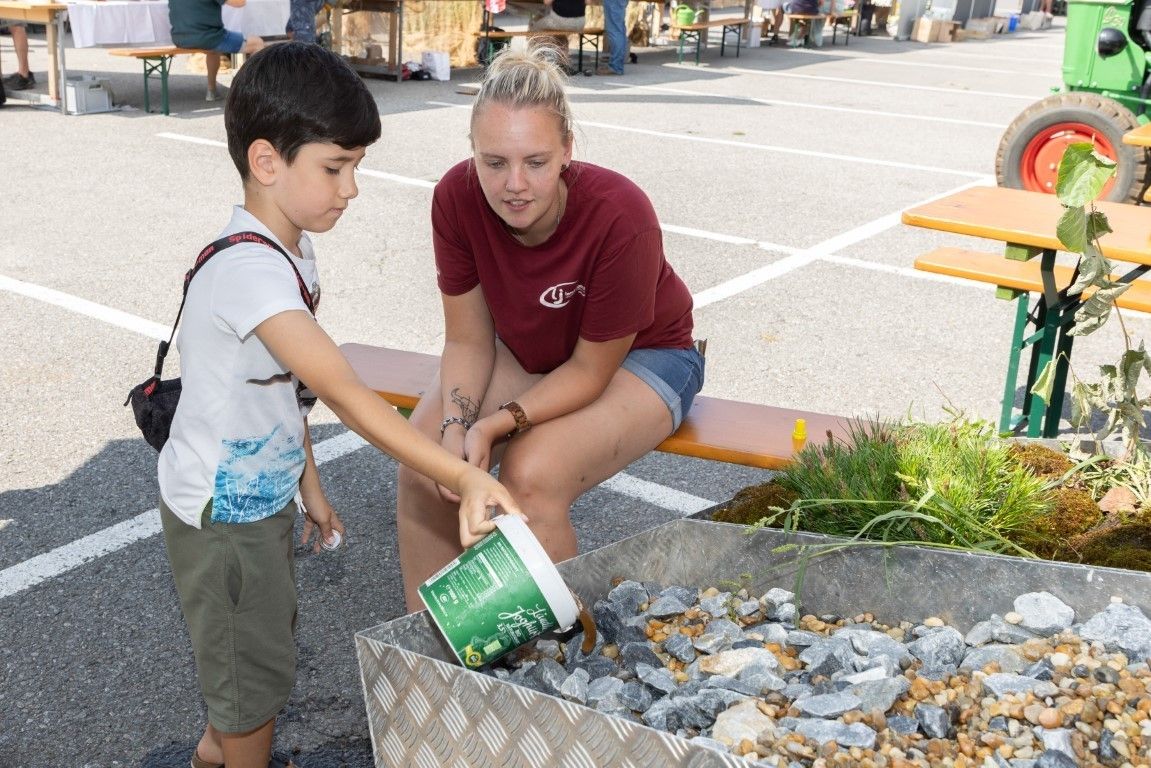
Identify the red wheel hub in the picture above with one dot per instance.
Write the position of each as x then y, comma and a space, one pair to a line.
1039, 166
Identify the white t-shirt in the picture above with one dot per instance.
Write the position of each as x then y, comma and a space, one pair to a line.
238, 434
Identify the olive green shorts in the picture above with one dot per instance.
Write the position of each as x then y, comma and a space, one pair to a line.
237, 586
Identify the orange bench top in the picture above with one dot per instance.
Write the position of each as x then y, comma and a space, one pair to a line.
722, 430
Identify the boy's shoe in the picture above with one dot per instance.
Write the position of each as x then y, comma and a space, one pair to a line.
198, 763
19, 82
3, 96
602, 70
219, 93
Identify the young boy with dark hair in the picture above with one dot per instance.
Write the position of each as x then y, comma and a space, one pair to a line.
239, 456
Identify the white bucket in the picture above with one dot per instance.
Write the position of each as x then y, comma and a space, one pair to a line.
498, 595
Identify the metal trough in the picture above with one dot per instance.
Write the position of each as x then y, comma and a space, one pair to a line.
424, 710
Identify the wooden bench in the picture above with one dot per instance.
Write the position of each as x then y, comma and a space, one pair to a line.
697, 31
589, 36
720, 430
1015, 280
845, 18
156, 61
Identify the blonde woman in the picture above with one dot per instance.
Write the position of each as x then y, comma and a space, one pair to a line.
568, 348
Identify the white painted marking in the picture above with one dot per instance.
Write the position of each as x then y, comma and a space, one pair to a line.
875, 83
84, 307
804, 105
960, 67
765, 147
65, 558
802, 258
193, 139
654, 493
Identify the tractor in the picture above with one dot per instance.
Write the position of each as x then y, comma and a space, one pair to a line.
1106, 91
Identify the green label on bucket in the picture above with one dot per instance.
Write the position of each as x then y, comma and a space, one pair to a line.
486, 602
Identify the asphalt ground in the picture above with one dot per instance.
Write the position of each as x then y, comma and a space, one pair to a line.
779, 177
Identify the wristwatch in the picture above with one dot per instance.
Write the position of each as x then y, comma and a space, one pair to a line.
522, 423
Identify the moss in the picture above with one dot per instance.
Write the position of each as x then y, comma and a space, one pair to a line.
753, 503
1041, 460
1073, 512
1121, 546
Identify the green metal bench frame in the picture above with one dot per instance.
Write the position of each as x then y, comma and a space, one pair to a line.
699, 35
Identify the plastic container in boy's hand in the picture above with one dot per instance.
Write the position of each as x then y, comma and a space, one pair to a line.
333, 542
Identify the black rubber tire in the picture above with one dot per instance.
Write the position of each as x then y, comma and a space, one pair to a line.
1108, 116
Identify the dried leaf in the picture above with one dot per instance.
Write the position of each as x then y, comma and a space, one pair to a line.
1045, 382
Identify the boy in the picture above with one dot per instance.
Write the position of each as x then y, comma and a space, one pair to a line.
298, 121
199, 24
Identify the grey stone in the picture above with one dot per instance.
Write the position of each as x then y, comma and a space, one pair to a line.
880, 694
689, 715
823, 731
657, 677
711, 642
1044, 613
634, 630
603, 688
935, 721
937, 671
769, 632
609, 617
1106, 751
795, 691
747, 608
716, 700
1056, 740
575, 687
863, 676
761, 678
546, 676
1006, 656
499, 673
629, 596
980, 634
801, 638
940, 648
998, 723
1040, 670
661, 715
731, 684
573, 651
829, 656
717, 605
666, 606
829, 705
635, 696
1003, 683
680, 647
903, 724
890, 666
725, 627
548, 647
746, 643
1121, 627
1051, 759
870, 642
776, 597
631, 654
786, 614
685, 595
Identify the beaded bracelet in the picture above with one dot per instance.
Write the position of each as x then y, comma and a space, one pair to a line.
453, 420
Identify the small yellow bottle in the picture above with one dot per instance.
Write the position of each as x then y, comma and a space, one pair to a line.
799, 435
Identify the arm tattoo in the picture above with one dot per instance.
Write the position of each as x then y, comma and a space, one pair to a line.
469, 409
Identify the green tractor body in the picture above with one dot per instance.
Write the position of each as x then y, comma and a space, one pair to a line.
1106, 92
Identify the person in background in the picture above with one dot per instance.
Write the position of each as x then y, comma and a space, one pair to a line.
568, 350
615, 30
22, 79
796, 37
199, 25
561, 14
775, 8
302, 20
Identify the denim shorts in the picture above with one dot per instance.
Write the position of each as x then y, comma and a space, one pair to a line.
232, 42
676, 375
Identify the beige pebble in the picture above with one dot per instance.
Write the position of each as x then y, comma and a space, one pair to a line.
933, 621
1050, 718
1013, 618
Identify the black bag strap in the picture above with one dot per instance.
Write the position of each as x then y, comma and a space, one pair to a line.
211, 250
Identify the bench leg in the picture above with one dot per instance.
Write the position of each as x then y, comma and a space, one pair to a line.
1006, 421
700, 36
158, 65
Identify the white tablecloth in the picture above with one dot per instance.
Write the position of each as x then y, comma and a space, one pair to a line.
145, 22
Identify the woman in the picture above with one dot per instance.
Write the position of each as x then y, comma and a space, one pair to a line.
568, 351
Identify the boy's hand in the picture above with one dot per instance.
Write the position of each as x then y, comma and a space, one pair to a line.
319, 516
480, 493
478, 445
452, 442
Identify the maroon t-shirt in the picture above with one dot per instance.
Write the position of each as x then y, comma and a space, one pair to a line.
601, 275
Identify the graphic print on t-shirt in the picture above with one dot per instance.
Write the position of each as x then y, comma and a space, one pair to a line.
256, 477
560, 294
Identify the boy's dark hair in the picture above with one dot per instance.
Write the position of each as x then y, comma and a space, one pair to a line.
292, 94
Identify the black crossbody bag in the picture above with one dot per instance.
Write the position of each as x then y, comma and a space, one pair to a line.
154, 400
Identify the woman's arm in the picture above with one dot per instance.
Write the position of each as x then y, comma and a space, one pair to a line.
573, 385
467, 363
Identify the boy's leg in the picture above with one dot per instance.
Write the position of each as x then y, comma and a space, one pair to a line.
249, 750
22, 78
212, 65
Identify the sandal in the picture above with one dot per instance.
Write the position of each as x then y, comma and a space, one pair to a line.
198, 763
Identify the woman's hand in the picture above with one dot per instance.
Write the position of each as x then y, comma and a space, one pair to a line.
479, 494
478, 444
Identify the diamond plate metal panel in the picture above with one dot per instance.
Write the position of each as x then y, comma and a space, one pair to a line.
424, 709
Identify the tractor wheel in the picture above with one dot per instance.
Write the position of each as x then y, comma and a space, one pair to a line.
1031, 148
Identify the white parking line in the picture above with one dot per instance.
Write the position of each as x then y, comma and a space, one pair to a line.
84, 307
822, 250
806, 105
878, 83
765, 147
